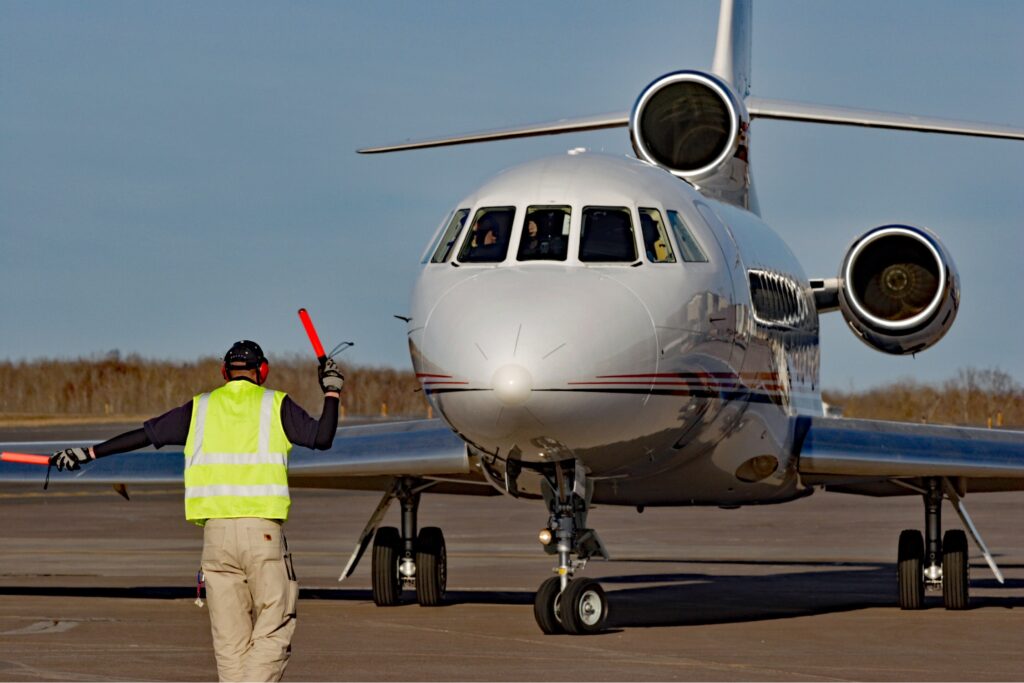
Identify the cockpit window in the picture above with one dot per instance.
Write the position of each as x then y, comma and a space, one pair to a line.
688, 247
545, 234
487, 239
607, 235
656, 242
451, 233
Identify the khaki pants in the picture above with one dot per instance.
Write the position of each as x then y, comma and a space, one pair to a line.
252, 595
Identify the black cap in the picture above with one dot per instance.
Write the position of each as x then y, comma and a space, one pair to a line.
244, 354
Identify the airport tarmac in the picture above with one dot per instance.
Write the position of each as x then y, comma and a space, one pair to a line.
95, 587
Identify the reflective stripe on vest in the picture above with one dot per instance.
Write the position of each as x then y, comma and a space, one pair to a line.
236, 455
228, 490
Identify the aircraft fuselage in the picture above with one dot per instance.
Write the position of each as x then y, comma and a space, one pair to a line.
670, 372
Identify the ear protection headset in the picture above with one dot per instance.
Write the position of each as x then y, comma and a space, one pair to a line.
246, 355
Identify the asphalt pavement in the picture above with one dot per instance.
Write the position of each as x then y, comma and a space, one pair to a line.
95, 587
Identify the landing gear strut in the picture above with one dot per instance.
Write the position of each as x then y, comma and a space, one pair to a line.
936, 561
404, 558
562, 605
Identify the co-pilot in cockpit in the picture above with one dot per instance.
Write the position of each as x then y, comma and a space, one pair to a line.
545, 235
489, 236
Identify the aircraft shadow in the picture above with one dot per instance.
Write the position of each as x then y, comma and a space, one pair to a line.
685, 599
660, 599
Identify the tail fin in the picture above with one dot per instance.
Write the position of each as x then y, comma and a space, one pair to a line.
732, 47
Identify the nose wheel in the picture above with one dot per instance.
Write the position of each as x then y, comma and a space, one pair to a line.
584, 607
580, 609
562, 605
547, 606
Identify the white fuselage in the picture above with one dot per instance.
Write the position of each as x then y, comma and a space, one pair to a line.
670, 377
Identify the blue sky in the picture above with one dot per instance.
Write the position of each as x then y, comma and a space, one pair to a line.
175, 176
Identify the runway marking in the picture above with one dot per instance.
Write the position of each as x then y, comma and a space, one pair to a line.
50, 626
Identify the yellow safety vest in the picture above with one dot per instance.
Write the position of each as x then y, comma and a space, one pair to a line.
236, 455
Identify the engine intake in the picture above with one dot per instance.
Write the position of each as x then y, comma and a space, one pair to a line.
690, 123
900, 290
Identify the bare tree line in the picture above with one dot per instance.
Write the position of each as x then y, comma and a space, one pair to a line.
973, 397
132, 385
112, 385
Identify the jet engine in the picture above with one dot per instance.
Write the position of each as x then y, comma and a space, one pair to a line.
692, 124
899, 290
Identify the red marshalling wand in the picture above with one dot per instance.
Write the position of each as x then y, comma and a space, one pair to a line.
314, 338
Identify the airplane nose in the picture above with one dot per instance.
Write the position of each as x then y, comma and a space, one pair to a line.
516, 357
515, 332
512, 384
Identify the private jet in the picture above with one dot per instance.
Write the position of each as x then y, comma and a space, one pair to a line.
599, 329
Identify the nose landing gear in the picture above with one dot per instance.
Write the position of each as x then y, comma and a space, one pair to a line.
562, 605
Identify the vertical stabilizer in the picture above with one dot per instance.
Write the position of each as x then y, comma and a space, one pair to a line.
732, 47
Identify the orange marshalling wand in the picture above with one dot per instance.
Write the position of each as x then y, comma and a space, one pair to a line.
27, 458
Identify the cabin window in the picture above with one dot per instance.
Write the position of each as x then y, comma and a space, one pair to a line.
655, 234
487, 239
545, 234
607, 235
688, 247
447, 243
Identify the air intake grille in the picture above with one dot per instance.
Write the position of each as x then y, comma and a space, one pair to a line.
778, 300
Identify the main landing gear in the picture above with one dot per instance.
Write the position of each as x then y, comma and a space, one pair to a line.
403, 558
564, 605
936, 561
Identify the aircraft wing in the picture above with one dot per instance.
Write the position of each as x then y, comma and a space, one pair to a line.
364, 457
575, 125
762, 108
879, 458
758, 108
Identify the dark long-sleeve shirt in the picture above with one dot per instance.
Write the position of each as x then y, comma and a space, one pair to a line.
171, 428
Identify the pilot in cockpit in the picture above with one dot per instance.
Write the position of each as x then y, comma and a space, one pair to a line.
531, 241
541, 242
484, 246
479, 230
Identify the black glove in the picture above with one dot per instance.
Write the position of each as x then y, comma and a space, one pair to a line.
70, 459
330, 376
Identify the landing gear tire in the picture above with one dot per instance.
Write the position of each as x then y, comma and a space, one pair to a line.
546, 606
955, 570
583, 607
909, 572
387, 549
431, 567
